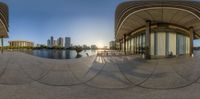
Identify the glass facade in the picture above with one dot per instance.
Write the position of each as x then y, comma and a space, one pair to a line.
134, 45
182, 45
162, 44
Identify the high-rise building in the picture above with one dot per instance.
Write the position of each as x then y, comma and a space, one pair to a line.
55, 43
85, 47
60, 42
112, 45
51, 42
48, 43
67, 42
93, 47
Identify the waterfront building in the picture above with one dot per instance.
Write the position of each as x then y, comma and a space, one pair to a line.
85, 47
157, 28
93, 47
19, 43
38, 45
41, 45
112, 45
105, 47
51, 41
48, 43
60, 42
67, 42
55, 43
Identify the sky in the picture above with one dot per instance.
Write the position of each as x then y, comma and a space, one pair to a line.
85, 21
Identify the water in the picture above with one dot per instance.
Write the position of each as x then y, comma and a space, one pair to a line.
60, 54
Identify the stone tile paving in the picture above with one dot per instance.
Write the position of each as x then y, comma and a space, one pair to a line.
23, 76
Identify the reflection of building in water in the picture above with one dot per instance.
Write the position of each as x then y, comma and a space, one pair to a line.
21, 43
155, 28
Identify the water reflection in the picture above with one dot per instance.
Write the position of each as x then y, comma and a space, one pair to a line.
60, 54
78, 55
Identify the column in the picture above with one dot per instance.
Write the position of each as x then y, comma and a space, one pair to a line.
2, 45
191, 30
136, 45
121, 46
124, 40
147, 43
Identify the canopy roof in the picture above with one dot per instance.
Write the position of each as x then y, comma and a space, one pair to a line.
3, 20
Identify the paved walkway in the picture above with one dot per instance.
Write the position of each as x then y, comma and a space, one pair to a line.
23, 76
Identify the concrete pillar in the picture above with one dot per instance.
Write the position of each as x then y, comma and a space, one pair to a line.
135, 45
2, 45
148, 30
191, 30
120, 46
124, 40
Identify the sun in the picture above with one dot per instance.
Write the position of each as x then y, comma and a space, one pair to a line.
100, 44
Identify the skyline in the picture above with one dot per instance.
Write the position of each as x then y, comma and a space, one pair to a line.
89, 22
86, 22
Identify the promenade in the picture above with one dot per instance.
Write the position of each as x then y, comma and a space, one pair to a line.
24, 76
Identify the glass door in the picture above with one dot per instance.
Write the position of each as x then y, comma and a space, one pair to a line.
181, 44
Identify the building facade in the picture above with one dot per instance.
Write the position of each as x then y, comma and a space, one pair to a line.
21, 43
60, 42
93, 47
157, 28
54, 43
48, 43
112, 45
67, 42
51, 41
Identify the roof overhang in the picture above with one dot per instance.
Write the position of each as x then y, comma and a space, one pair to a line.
133, 15
3, 20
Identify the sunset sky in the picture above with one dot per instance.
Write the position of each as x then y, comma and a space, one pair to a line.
85, 21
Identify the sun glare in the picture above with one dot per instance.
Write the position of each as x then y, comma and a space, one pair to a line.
100, 45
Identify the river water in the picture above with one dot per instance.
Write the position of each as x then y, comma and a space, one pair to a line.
60, 54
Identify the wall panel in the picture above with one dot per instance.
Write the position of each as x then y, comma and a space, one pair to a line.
172, 43
161, 43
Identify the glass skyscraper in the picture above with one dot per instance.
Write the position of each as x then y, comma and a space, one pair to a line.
67, 42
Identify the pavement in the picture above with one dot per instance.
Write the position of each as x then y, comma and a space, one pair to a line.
23, 76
